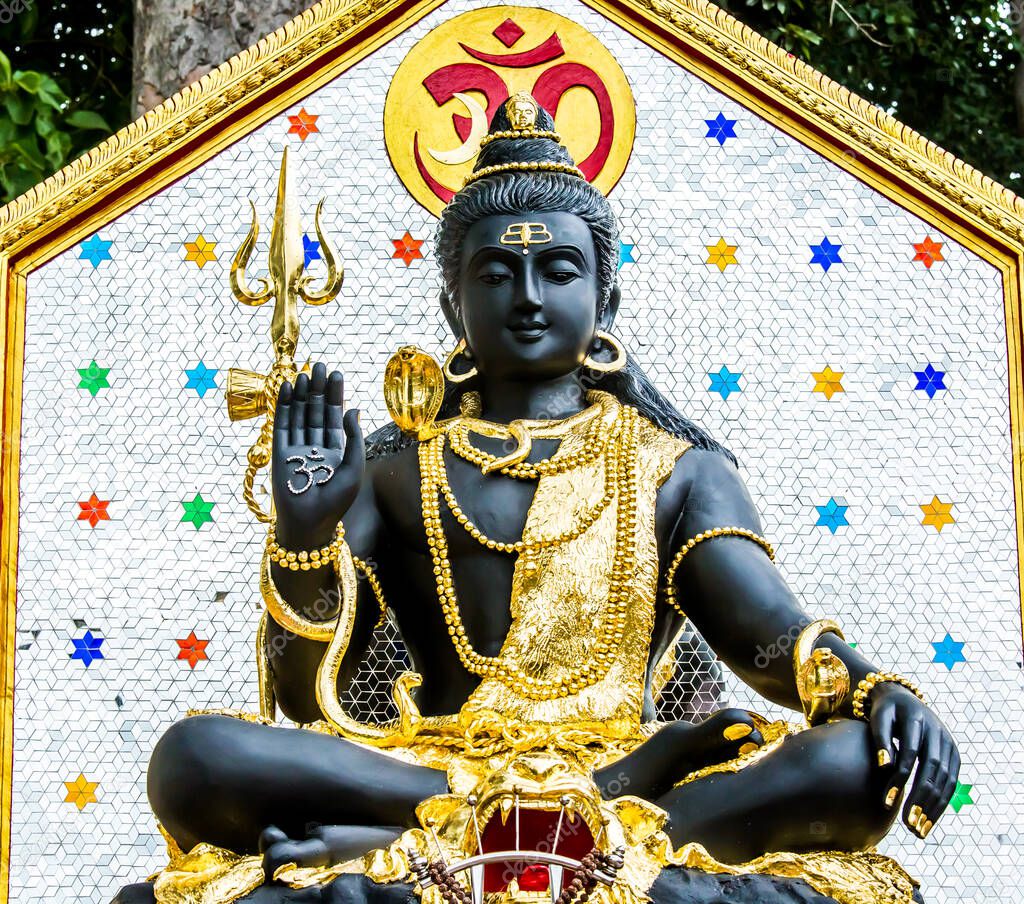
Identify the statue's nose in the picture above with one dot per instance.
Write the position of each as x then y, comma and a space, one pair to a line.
528, 296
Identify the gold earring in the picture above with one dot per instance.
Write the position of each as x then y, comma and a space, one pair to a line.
607, 367
453, 377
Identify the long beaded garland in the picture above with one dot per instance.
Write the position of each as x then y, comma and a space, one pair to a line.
613, 626
583, 524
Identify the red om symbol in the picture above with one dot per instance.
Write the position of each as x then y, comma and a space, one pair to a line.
456, 79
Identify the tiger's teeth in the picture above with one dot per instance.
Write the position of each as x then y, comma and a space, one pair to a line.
504, 808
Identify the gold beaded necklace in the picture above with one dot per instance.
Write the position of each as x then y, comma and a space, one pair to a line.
612, 628
602, 416
519, 546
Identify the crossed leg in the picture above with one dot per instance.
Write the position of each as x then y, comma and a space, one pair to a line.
223, 781
819, 790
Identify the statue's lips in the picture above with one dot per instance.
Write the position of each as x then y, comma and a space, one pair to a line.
528, 332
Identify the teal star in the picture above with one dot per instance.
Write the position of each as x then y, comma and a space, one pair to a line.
832, 515
93, 378
725, 382
961, 797
95, 250
948, 651
201, 378
197, 511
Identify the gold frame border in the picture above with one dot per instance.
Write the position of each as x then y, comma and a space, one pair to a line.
259, 83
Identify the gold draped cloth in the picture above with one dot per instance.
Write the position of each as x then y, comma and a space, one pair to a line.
557, 605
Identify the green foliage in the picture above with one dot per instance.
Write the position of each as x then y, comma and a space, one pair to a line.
65, 83
945, 68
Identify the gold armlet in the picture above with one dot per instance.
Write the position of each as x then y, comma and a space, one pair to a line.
822, 679
670, 574
409, 719
304, 560
861, 701
284, 614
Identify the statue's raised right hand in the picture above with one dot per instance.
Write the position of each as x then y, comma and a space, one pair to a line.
318, 459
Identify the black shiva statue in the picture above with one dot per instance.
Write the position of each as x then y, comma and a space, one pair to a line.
536, 521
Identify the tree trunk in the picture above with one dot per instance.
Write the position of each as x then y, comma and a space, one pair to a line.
179, 41
1017, 16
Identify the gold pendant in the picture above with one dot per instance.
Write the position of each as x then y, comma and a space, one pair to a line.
413, 391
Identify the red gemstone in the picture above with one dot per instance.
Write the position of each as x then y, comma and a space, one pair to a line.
534, 878
508, 32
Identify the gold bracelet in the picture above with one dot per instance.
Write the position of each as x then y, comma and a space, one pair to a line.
867, 685
670, 574
284, 614
304, 560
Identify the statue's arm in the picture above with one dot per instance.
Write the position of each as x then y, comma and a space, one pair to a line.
732, 590
319, 478
739, 601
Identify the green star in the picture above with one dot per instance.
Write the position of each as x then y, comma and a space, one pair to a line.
94, 378
197, 511
961, 797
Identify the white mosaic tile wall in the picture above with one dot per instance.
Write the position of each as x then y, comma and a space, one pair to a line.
143, 579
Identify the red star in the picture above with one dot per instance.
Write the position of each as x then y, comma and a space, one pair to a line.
94, 510
407, 248
928, 252
192, 649
303, 125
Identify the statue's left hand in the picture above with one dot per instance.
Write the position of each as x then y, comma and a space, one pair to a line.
920, 738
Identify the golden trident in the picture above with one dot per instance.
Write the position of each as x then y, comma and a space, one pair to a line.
251, 394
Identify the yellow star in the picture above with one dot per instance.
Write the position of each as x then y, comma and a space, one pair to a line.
936, 514
200, 251
721, 254
81, 792
827, 381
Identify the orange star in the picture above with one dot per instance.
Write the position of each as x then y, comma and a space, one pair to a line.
192, 649
200, 250
928, 252
81, 792
407, 248
936, 514
303, 125
827, 381
721, 254
94, 510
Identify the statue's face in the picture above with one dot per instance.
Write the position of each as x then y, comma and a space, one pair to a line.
528, 294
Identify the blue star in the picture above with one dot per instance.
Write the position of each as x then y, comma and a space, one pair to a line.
826, 254
725, 382
626, 254
200, 378
949, 652
930, 380
720, 128
95, 250
87, 648
832, 515
311, 250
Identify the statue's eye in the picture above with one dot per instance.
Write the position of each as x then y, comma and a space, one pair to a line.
493, 278
561, 276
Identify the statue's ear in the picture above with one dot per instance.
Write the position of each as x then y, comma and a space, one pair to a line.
451, 315
607, 317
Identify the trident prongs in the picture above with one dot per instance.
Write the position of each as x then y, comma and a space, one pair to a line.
563, 801
472, 802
